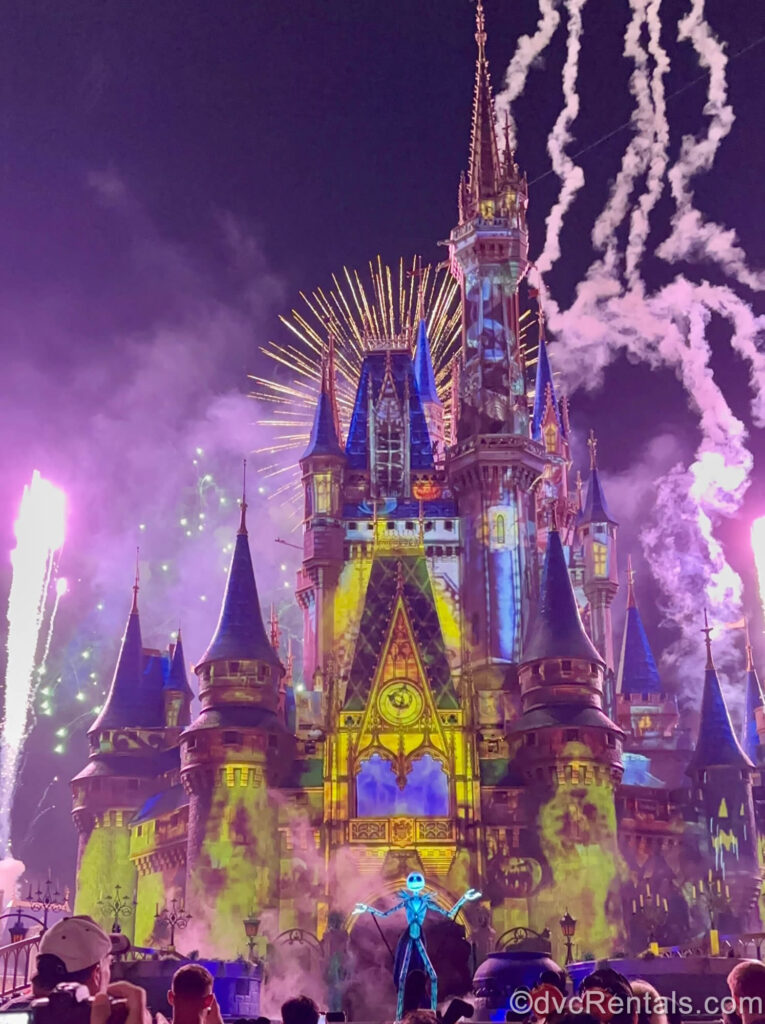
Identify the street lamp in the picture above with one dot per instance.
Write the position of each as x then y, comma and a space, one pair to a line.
251, 926
174, 917
568, 927
47, 900
17, 931
117, 906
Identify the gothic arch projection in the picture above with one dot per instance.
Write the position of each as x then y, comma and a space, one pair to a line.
383, 792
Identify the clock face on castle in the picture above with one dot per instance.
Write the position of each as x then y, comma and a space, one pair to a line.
400, 702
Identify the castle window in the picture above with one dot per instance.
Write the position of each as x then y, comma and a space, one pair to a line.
232, 739
140, 830
499, 529
565, 666
599, 559
429, 552
322, 485
191, 743
262, 671
390, 525
449, 525
611, 741
233, 667
409, 524
571, 735
353, 526
428, 526
425, 793
551, 437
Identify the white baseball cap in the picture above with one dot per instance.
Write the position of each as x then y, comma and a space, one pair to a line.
80, 943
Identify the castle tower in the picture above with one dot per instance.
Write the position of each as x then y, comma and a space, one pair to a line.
568, 754
426, 385
495, 462
550, 428
601, 580
644, 710
754, 709
176, 691
722, 777
322, 467
230, 757
125, 741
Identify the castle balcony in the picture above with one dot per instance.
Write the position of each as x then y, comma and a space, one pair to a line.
402, 832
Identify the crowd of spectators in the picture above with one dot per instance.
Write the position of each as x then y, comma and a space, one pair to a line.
75, 956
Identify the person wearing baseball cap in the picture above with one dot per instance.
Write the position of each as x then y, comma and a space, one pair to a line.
77, 949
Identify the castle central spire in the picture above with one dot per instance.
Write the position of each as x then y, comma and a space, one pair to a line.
484, 167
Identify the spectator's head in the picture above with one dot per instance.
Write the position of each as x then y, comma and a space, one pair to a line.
77, 950
607, 995
191, 993
420, 1017
747, 987
300, 1010
651, 1007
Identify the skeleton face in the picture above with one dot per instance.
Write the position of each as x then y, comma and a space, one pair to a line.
415, 882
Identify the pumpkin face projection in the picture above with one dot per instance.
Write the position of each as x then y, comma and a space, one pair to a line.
511, 877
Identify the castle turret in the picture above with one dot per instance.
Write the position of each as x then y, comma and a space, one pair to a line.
568, 753
322, 467
601, 580
550, 428
230, 755
125, 741
432, 406
752, 733
176, 690
495, 462
644, 710
722, 778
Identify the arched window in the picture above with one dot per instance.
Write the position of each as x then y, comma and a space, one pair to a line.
323, 488
551, 437
600, 559
425, 793
499, 529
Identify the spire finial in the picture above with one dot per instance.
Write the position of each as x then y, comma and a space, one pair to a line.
707, 631
134, 609
276, 633
178, 634
630, 583
480, 30
592, 444
749, 655
243, 521
579, 490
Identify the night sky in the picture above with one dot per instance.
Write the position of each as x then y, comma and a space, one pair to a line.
174, 172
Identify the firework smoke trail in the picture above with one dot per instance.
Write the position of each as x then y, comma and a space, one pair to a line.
640, 220
39, 532
636, 155
570, 174
692, 238
758, 550
62, 588
527, 51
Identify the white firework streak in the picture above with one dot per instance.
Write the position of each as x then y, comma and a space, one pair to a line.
528, 50
39, 531
657, 165
61, 589
570, 174
692, 237
636, 155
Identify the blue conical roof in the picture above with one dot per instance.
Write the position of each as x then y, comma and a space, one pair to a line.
637, 667
177, 680
423, 367
133, 701
240, 634
595, 506
754, 699
717, 745
544, 379
556, 631
324, 439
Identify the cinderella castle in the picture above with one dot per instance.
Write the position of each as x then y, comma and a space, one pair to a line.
465, 709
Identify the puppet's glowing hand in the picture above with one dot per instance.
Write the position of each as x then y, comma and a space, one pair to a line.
360, 908
473, 894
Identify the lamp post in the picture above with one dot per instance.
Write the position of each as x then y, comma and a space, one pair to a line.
174, 917
251, 926
17, 931
46, 900
568, 927
117, 906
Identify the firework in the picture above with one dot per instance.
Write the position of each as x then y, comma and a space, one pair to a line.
758, 550
39, 532
62, 587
